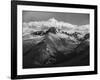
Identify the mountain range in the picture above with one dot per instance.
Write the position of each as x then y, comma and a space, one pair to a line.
54, 45
52, 22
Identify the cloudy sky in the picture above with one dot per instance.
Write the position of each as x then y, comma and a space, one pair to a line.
73, 18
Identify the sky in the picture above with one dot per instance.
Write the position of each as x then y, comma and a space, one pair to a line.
73, 18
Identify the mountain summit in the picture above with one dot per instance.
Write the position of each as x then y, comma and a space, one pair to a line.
52, 20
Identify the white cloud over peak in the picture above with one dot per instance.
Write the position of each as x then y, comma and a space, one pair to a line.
52, 22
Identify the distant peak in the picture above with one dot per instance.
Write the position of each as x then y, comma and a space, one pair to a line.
52, 20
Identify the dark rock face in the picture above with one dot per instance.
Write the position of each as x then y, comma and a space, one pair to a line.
56, 49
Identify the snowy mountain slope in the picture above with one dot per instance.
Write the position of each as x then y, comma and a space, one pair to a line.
53, 44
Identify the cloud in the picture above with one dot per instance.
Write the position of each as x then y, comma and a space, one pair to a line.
52, 22
83, 28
